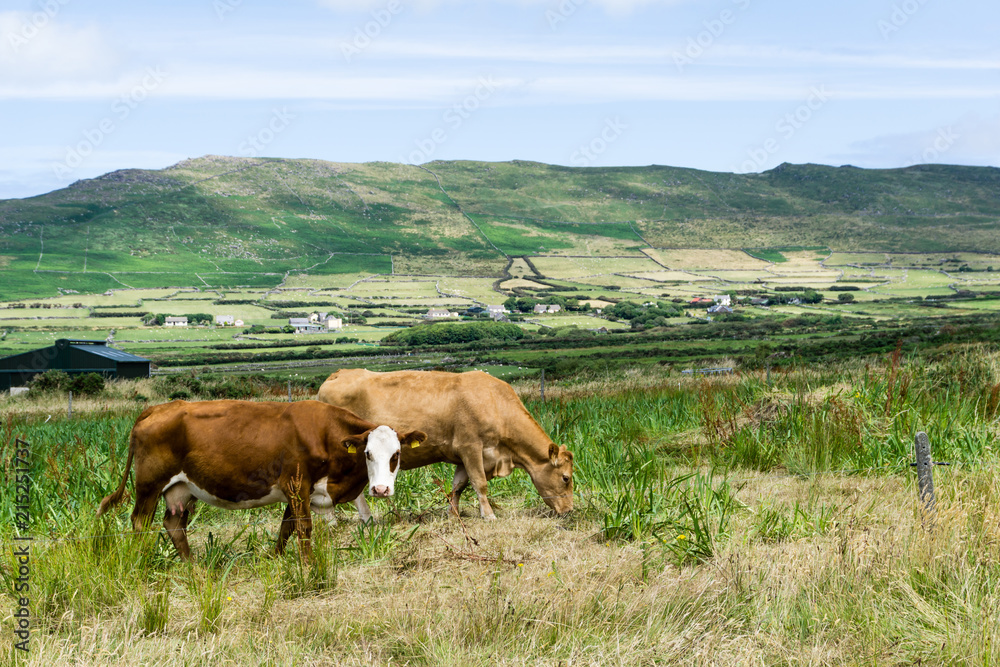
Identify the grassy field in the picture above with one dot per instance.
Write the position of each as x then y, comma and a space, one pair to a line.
714, 524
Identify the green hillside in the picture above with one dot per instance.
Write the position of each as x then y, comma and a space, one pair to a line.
223, 222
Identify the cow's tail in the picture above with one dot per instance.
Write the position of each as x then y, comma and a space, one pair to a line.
116, 496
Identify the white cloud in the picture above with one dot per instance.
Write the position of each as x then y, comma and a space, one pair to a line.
197, 81
972, 139
37, 46
613, 7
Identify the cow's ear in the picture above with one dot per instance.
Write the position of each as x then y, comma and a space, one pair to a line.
553, 454
568, 455
413, 438
352, 443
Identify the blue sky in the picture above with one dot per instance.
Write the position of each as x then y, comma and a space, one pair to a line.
722, 85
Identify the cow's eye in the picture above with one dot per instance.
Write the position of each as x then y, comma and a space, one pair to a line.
369, 455
566, 479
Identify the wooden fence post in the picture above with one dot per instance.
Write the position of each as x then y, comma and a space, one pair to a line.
543, 385
289, 391
925, 478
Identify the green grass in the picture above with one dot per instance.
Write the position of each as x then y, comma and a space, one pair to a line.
688, 510
766, 254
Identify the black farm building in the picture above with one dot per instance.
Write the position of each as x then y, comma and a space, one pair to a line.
74, 357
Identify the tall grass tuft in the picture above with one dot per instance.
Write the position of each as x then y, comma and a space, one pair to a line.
208, 588
155, 612
299, 576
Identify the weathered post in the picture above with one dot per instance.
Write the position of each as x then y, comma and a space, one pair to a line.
69, 408
925, 479
543, 385
289, 391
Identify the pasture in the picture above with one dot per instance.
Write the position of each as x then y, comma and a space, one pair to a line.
742, 519
690, 271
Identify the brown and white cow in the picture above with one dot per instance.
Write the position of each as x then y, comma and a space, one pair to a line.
471, 419
242, 454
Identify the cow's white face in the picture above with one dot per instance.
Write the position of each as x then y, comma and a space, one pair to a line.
382, 457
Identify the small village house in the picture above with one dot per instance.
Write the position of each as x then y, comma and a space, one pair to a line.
439, 314
303, 325
723, 299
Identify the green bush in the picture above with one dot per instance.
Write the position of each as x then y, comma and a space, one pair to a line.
49, 381
88, 384
449, 333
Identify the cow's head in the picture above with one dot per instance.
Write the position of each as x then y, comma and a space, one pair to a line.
381, 446
554, 479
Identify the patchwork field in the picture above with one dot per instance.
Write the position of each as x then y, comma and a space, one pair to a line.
879, 291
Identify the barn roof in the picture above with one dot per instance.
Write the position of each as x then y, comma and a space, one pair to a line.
100, 348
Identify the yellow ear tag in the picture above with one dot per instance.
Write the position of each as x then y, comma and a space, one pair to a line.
351, 449
414, 444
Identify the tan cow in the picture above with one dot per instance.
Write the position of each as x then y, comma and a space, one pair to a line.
472, 420
242, 454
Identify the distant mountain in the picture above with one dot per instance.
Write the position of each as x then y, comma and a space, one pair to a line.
224, 221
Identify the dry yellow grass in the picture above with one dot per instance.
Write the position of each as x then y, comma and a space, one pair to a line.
693, 259
521, 283
670, 276
529, 589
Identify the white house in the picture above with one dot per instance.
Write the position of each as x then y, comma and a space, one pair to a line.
439, 314
176, 321
496, 312
723, 299
547, 308
327, 320
225, 320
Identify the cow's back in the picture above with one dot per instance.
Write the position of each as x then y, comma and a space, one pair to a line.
439, 403
218, 442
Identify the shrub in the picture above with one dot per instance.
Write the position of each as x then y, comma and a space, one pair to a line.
87, 384
447, 333
49, 381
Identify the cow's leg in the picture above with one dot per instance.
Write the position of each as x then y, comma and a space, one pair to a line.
180, 502
472, 460
146, 498
287, 527
458, 484
304, 529
364, 511
298, 518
